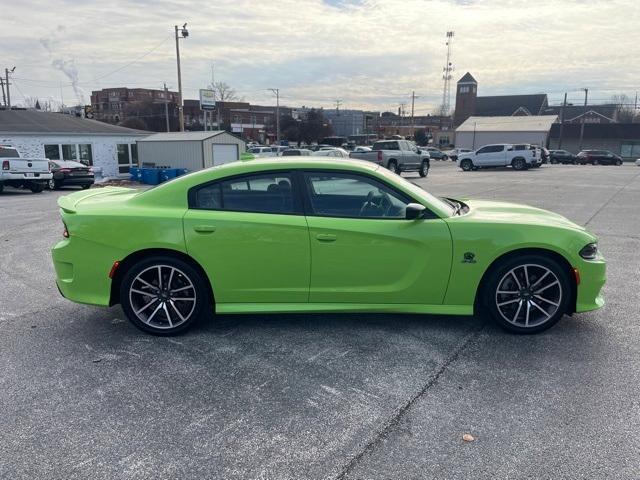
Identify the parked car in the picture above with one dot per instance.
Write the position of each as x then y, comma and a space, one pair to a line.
295, 235
453, 153
66, 173
434, 153
598, 157
638, 162
261, 151
278, 149
499, 155
398, 156
361, 149
297, 152
331, 152
19, 172
562, 156
537, 152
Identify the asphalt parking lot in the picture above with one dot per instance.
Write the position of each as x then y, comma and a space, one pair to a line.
86, 395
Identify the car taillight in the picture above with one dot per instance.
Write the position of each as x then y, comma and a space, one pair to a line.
379, 155
64, 170
5, 165
65, 232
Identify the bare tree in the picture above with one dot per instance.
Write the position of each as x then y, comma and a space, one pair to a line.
224, 93
626, 112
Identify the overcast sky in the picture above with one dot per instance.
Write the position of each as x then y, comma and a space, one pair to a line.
368, 53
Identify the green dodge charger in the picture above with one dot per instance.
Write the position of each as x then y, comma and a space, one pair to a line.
319, 235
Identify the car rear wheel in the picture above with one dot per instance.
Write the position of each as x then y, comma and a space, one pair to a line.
84, 187
424, 168
466, 165
618, 162
518, 164
528, 294
393, 166
36, 187
163, 295
52, 185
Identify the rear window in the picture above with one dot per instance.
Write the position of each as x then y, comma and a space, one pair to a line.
386, 146
9, 153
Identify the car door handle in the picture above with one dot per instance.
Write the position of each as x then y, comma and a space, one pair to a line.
204, 228
326, 237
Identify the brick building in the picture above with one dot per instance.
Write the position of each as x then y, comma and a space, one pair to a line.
110, 104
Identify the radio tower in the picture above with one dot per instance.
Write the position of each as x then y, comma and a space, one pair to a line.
446, 76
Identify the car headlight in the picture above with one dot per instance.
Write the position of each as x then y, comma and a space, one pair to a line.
589, 252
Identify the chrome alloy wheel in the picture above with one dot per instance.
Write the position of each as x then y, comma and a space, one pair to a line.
528, 295
162, 296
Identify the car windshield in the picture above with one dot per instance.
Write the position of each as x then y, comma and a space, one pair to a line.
420, 192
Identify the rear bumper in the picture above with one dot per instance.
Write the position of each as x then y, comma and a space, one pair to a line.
76, 181
82, 270
22, 177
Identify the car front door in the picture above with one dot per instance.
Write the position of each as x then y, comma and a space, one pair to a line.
483, 156
364, 250
251, 237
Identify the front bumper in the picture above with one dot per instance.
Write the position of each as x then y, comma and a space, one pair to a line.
593, 276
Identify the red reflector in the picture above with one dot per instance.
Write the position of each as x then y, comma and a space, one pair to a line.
115, 266
576, 275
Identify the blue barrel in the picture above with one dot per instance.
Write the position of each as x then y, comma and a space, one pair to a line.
181, 171
168, 174
150, 176
135, 173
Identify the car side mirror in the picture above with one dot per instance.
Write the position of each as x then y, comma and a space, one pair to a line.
414, 211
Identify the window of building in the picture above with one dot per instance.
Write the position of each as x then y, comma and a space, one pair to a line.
630, 149
69, 152
464, 89
52, 152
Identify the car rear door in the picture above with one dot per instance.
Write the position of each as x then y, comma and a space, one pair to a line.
250, 235
368, 254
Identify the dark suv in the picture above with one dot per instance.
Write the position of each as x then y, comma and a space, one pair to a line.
595, 157
562, 156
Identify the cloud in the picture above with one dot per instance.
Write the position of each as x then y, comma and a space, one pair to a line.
368, 53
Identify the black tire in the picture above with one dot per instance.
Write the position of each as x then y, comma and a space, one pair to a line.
1, 187
618, 162
424, 168
85, 187
52, 184
445, 157
535, 265
36, 187
518, 164
187, 275
393, 166
466, 165
553, 161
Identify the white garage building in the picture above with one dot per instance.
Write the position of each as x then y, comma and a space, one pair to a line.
478, 131
110, 149
190, 150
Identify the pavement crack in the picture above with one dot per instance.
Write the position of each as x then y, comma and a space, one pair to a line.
397, 416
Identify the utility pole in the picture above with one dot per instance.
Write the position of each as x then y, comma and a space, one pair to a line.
586, 95
4, 98
338, 103
413, 102
564, 104
182, 33
276, 91
166, 106
6, 81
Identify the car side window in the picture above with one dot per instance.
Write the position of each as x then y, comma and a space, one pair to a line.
336, 194
484, 150
261, 193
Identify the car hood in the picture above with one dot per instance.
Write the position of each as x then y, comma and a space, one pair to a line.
95, 197
504, 212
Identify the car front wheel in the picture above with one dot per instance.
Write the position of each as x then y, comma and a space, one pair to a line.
163, 295
424, 168
466, 165
52, 184
528, 294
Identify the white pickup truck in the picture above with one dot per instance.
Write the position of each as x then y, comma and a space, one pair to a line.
518, 156
31, 173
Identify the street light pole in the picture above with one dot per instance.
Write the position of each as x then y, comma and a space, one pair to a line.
586, 94
276, 91
182, 33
